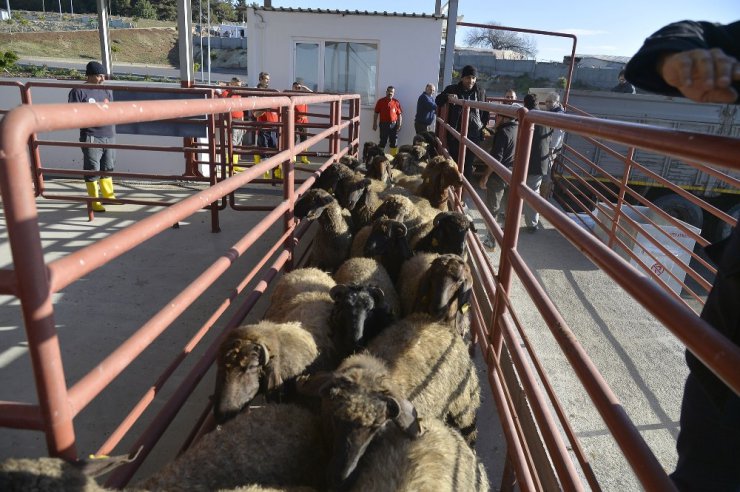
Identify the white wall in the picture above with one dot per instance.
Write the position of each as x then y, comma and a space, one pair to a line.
408, 52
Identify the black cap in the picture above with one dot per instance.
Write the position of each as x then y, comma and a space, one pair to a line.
469, 70
94, 68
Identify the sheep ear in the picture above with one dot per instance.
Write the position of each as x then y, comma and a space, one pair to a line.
338, 292
464, 294
315, 385
404, 415
422, 295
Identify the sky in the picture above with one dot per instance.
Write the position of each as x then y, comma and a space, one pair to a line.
603, 27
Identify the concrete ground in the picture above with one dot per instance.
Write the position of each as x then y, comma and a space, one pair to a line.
642, 362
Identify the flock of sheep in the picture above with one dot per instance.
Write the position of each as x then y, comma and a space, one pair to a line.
359, 375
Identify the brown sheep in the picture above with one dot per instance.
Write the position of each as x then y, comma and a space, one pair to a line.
258, 357
438, 176
438, 285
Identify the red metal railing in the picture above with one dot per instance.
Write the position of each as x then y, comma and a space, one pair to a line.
34, 280
499, 331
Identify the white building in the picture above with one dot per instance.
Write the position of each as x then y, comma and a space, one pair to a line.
347, 52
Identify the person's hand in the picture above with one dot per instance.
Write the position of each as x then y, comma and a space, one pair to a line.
375, 126
451, 97
702, 75
482, 183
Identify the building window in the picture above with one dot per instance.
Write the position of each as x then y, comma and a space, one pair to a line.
348, 67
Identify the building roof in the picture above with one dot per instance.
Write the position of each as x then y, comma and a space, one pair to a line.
349, 12
609, 58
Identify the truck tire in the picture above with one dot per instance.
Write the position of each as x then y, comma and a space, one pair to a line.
680, 208
723, 229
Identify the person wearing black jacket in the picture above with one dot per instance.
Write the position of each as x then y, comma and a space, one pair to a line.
502, 149
466, 89
539, 163
700, 61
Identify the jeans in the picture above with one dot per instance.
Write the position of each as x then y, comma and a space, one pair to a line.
97, 159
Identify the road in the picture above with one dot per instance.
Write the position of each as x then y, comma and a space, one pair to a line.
137, 69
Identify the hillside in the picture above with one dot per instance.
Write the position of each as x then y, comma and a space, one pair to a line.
153, 46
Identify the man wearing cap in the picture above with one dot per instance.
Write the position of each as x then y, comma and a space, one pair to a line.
466, 89
96, 158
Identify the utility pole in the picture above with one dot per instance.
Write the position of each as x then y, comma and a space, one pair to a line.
449, 43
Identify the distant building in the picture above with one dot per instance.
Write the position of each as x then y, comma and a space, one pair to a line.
598, 61
497, 54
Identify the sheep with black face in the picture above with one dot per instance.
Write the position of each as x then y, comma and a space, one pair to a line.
385, 240
360, 312
438, 285
447, 233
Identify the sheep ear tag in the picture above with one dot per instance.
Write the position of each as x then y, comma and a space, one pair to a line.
464, 308
97, 465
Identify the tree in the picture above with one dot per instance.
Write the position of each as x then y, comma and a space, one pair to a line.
502, 40
144, 10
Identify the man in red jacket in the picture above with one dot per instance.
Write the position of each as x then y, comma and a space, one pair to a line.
388, 109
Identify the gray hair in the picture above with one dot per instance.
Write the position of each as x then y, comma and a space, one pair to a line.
554, 97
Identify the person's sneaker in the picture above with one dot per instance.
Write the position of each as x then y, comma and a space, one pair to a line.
489, 243
532, 229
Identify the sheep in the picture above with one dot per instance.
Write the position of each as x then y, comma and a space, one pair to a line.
258, 357
385, 240
350, 161
52, 474
369, 271
358, 401
360, 312
379, 442
330, 177
371, 150
354, 194
438, 285
380, 171
432, 366
402, 209
438, 176
295, 282
445, 234
409, 162
271, 446
430, 140
334, 238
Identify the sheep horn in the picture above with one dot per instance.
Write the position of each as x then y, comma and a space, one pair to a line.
399, 230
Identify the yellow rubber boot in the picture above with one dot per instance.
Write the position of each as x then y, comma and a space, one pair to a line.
394, 151
234, 162
304, 159
92, 191
106, 188
279, 172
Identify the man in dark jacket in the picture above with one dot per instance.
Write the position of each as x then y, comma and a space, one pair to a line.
623, 86
502, 149
466, 89
425, 110
700, 61
539, 163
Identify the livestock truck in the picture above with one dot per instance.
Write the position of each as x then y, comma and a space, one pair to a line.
667, 112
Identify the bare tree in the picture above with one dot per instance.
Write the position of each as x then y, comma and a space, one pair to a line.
498, 39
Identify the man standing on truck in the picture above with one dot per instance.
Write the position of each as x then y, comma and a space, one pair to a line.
468, 90
96, 158
700, 60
